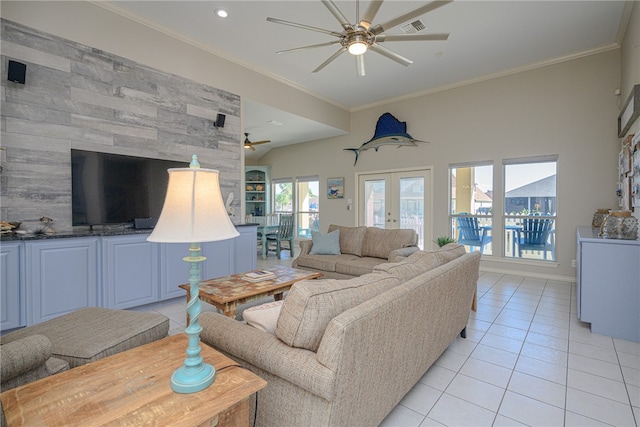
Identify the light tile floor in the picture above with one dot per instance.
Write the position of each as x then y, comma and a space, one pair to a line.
527, 360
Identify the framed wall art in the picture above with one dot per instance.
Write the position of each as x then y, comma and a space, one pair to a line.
335, 188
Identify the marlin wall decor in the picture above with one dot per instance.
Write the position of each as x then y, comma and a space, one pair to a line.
389, 131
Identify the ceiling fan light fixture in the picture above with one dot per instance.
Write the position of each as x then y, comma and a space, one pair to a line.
357, 48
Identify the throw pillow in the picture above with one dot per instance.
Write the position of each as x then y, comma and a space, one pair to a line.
263, 317
449, 252
325, 244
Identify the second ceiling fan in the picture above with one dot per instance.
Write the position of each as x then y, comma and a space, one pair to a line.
249, 144
363, 36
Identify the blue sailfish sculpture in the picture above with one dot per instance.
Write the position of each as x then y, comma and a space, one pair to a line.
389, 131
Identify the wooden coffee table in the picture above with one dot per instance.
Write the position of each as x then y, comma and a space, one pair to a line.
133, 388
227, 292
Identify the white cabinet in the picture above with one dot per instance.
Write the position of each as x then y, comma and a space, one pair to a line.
608, 284
61, 276
129, 271
223, 258
12, 310
245, 248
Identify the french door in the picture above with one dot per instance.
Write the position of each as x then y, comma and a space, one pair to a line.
397, 199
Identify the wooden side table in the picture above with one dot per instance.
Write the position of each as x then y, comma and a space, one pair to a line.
133, 388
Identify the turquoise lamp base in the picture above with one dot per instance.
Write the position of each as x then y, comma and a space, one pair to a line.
185, 381
194, 375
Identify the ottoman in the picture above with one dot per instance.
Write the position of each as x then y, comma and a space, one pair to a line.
92, 333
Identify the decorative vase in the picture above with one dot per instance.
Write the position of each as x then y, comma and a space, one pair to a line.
598, 217
619, 225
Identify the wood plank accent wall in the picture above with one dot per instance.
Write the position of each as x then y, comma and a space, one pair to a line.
79, 97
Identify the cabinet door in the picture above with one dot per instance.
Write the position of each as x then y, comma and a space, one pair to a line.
61, 277
12, 293
219, 258
245, 249
130, 271
174, 270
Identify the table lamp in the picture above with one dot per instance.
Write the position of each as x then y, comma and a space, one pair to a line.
193, 212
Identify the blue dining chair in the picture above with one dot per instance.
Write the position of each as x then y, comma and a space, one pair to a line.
284, 234
536, 235
471, 234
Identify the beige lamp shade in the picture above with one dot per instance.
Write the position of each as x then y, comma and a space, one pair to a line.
193, 209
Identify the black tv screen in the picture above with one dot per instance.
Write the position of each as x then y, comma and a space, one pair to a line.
114, 189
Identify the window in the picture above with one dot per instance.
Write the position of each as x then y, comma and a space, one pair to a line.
307, 211
530, 208
282, 196
471, 205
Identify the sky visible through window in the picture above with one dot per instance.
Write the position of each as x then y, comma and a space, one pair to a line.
526, 174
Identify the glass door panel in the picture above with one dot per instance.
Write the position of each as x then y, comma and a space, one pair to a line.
396, 200
374, 202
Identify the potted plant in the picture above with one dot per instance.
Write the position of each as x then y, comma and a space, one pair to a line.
443, 240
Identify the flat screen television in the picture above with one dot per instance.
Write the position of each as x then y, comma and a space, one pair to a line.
116, 189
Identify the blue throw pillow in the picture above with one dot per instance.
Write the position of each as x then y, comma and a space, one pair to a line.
325, 244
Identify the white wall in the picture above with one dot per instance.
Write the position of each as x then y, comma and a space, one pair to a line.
568, 109
94, 26
630, 68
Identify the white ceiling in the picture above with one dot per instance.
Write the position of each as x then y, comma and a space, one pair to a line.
487, 38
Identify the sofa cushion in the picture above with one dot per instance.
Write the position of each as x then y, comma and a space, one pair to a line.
403, 270
357, 266
378, 242
450, 251
322, 262
351, 238
311, 304
264, 316
325, 244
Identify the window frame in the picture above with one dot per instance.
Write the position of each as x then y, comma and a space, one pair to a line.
515, 219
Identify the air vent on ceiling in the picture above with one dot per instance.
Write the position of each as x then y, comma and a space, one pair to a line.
414, 27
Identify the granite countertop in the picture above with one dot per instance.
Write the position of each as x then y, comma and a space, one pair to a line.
97, 231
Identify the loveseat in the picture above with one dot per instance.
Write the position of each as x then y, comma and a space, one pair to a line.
345, 352
360, 250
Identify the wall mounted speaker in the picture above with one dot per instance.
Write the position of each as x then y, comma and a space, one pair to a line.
17, 72
220, 121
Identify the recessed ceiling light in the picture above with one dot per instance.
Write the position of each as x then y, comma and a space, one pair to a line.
221, 13
274, 123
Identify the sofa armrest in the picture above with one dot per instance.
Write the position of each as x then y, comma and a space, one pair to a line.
398, 255
24, 355
266, 352
305, 246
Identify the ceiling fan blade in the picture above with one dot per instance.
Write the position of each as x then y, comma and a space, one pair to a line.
249, 147
303, 26
337, 14
331, 58
360, 65
409, 16
266, 141
391, 55
370, 14
410, 37
295, 49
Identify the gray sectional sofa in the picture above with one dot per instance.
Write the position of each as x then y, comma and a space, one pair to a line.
361, 249
345, 352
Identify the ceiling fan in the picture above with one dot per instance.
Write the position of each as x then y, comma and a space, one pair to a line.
249, 145
358, 38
